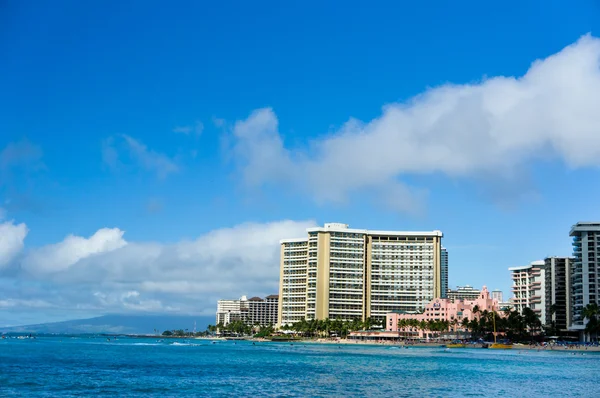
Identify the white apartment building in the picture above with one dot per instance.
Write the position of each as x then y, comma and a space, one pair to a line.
339, 272
253, 311
232, 310
529, 287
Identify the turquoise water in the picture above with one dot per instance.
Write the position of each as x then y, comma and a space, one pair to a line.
67, 367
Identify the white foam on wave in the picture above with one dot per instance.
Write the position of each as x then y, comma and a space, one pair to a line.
145, 344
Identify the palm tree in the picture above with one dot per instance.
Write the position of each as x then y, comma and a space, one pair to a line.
591, 312
531, 320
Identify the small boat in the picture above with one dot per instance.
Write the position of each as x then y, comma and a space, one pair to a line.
456, 345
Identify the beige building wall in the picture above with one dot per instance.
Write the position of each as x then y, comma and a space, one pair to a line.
323, 255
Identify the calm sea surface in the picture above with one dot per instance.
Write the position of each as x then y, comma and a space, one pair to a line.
66, 367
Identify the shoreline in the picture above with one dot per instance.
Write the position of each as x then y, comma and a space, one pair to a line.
516, 347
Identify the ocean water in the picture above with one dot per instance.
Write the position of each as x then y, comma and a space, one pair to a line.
69, 367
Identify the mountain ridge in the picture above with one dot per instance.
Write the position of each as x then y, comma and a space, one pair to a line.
117, 324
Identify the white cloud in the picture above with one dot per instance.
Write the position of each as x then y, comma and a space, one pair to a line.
491, 128
105, 273
138, 154
60, 256
151, 160
12, 239
197, 129
20, 154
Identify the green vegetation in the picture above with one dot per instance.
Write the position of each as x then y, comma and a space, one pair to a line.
513, 325
328, 327
591, 312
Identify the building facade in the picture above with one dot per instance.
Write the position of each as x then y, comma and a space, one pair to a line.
232, 310
498, 295
584, 270
529, 288
444, 272
544, 286
558, 291
463, 293
453, 311
253, 311
339, 272
263, 312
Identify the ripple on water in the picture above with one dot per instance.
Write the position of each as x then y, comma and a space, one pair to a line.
138, 368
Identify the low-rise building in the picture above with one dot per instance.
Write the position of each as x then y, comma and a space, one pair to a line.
453, 311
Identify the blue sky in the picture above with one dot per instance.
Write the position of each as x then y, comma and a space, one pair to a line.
138, 139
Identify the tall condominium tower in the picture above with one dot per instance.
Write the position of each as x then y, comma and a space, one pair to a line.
558, 291
444, 272
338, 272
584, 270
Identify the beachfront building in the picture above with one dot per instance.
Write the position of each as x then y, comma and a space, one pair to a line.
444, 272
529, 288
544, 286
453, 311
253, 311
463, 293
263, 312
584, 270
232, 310
558, 292
341, 273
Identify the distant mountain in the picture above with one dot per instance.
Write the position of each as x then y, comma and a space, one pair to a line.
118, 324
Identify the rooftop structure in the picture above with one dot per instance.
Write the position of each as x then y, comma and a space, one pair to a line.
463, 293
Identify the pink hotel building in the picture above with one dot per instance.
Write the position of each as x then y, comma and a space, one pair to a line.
442, 309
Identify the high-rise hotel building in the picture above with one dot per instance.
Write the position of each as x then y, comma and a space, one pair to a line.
338, 272
585, 271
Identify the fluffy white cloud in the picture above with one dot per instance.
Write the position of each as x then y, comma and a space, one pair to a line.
197, 129
60, 256
114, 151
105, 273
493, 128
12, 238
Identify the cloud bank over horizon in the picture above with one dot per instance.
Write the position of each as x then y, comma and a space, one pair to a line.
104, 273
494, 128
